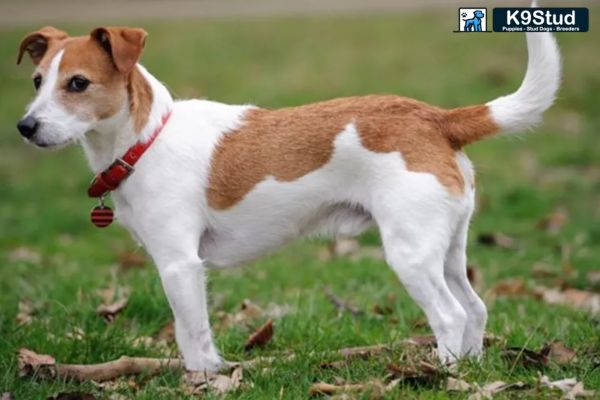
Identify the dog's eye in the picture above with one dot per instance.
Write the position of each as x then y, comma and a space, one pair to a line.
78, 84
37, 82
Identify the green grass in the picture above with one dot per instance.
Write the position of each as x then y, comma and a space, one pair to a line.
283, 62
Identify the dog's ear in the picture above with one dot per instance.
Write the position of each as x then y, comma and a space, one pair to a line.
36, 44
124, 45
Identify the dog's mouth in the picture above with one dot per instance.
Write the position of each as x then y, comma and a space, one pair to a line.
50, 145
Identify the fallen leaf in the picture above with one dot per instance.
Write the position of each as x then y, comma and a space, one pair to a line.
508, 288
72, 396
490, 389
574, 298
559, 353
24, 254
261, 336
496, 240
382, 310
167, 332
593, 277
375, 388
340, 304
422, 371
110, 311
457, 385
475, 278
131, 259
198, 382
25, 313
570, 387
544, 271
248, 314
31, 363
578, 391
554, 222
526, 357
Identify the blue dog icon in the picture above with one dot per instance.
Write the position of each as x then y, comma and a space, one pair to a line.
474, 24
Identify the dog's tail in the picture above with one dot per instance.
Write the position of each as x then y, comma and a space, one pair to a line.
518, 111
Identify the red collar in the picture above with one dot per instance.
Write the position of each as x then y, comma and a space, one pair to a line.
110, 179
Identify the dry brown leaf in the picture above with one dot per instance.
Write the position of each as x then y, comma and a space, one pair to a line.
475, 277
544, 271
421, 371
260, 337
457, 385
508, 288
340, 304
559, 353
492, 388
24, 254
574, 298
375, 388
570, 387
110, 311
578, 391
382, 310
526, 357
593, 277
198, 382
248, 314
30, 363
554, 222
496, 240
167, 332
25, 313
131, 259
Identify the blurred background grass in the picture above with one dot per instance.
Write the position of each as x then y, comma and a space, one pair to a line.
285, 61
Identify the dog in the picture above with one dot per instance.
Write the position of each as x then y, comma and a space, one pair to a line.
201, 184
474, 24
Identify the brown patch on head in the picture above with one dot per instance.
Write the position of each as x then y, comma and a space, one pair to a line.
290, 143
106, 94
107, 58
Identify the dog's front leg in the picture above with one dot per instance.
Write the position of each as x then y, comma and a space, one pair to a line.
174, 248
185, 286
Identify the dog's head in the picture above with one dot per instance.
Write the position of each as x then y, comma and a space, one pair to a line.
478, 14
81, 82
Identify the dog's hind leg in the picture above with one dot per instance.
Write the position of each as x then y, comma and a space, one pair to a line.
455, 272
416, 233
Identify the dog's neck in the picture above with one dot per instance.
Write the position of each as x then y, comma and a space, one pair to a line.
134, 122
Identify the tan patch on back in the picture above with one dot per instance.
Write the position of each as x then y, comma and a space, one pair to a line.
291, 142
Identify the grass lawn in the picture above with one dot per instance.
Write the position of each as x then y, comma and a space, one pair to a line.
51, 255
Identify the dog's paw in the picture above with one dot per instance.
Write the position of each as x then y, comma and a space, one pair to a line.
212, 363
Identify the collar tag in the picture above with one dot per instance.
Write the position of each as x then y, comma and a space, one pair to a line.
110, 179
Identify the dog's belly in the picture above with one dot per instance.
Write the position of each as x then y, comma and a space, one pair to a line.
249, 241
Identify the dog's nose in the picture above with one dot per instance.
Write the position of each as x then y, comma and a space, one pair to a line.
28, 126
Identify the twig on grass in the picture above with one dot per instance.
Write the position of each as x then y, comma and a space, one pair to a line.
342, 305
45, 366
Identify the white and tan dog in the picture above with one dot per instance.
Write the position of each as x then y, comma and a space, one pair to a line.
225, 184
